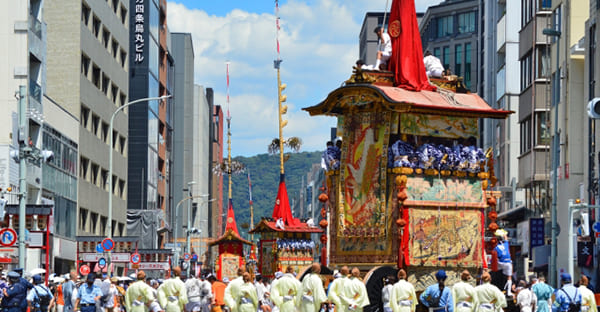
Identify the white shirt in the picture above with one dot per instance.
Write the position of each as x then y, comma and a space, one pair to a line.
386, 44
432, 63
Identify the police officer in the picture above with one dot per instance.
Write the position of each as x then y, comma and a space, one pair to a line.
40, 298
23, 281
88, 294
15, 295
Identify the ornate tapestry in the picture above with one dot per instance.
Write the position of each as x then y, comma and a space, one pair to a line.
444, 191
439, 126
362, 208
445, 237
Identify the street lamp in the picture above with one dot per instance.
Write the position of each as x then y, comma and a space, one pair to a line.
110, 161
176, 257
555, 160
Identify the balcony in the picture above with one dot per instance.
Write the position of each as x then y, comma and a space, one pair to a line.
35, 26
35, 34
501, 35
34, 108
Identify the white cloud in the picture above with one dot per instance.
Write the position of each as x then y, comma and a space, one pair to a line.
319, 44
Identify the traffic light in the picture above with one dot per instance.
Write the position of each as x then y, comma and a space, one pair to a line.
594, 108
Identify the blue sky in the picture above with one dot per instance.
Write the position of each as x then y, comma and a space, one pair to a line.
319, 45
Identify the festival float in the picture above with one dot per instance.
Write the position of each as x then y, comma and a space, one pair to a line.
284, 240
412, 186
230, 246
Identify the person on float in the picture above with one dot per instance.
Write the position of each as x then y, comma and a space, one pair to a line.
385, 48
312, 294
285, 291
488, 297
504, 259
172, 294
463, 294
403, 297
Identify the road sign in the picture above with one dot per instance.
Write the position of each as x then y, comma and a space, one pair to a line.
102, 263
596, 227
8, 237
84, 269
99, 248
136, 258
185, 265
108, 244
194, 257
187, 256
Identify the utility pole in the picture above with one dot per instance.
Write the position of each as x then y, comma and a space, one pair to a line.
22, 138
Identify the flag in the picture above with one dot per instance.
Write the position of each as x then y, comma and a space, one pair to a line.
282, 209
406, 61
230, 223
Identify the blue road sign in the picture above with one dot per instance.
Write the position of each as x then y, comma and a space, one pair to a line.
108, 244
596, 227
102, 263
99, 248
194, 257
8, 237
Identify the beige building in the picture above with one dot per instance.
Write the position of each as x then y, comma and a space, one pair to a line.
88, 56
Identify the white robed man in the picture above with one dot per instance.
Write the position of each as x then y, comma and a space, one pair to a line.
278, 276
588, 300
403, 297
248, 299
232, 291
463, 294
355, 292
488, 297
526, 299
139, 295
172, 294
284, 292
336, 287
312, 294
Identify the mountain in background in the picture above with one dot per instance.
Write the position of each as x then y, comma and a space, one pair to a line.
264, 173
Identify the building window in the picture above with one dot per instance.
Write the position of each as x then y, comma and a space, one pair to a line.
104, 132
123, 14
105, 37
115, 6
526, 77
445, 26
542, 131
103, 221
122, 145
544, 4
115, 48
526, 135
83, 213
85, 65
83, 167
468, 65
121, 229
84, 116
85, 14
96, 26
93, 222
121, 189
446, 58
105, 83
95, 124
437, 52
94, 174
466, 23
96, 76
114, 92
527, 11
542, 66
123, 58
458, 59
104, 178
122, 99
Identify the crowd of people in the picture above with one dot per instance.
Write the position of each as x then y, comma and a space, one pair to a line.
285, 293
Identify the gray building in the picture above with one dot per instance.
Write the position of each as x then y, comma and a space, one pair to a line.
451, 32
88, 50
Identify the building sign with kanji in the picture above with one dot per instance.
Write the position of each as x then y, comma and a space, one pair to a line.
536, 227
138, 36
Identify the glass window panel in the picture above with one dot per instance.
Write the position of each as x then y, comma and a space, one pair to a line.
152, 130
467, 65
153, 57
458, 56
153, 92
153, 19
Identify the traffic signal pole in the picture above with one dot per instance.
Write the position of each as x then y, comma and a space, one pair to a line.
22, 138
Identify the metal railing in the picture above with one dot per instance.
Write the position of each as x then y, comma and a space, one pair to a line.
35, 26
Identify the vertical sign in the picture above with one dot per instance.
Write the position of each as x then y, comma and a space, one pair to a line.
139, 31
536, 227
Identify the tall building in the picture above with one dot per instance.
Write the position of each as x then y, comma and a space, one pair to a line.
451, 33
150, 123
87, 77
217, 213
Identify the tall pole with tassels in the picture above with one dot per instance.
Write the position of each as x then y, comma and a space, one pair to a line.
280, 97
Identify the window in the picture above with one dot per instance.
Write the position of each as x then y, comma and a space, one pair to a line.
94, 176
84, 116
83, 167
114, 91
115, 180
85, 14
544, 4
526, 135
122, 145
542, 130
96, 26
83, 213
526, 77
468, 65
121, 189
115, 138
446, 58
115, 48
96, 76
105, 82
95, 124
466, 23
122, 99
542, 67
104, 178
105, 37
123, 58
103, 222
115, 6
121, 229
458, 59
104, 132
444, 26
123, 14
93, 222
85, 64
527, 11
437, 52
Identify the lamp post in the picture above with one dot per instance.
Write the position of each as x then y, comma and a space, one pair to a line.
110, 162
189, 228
555, 161
176, 257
